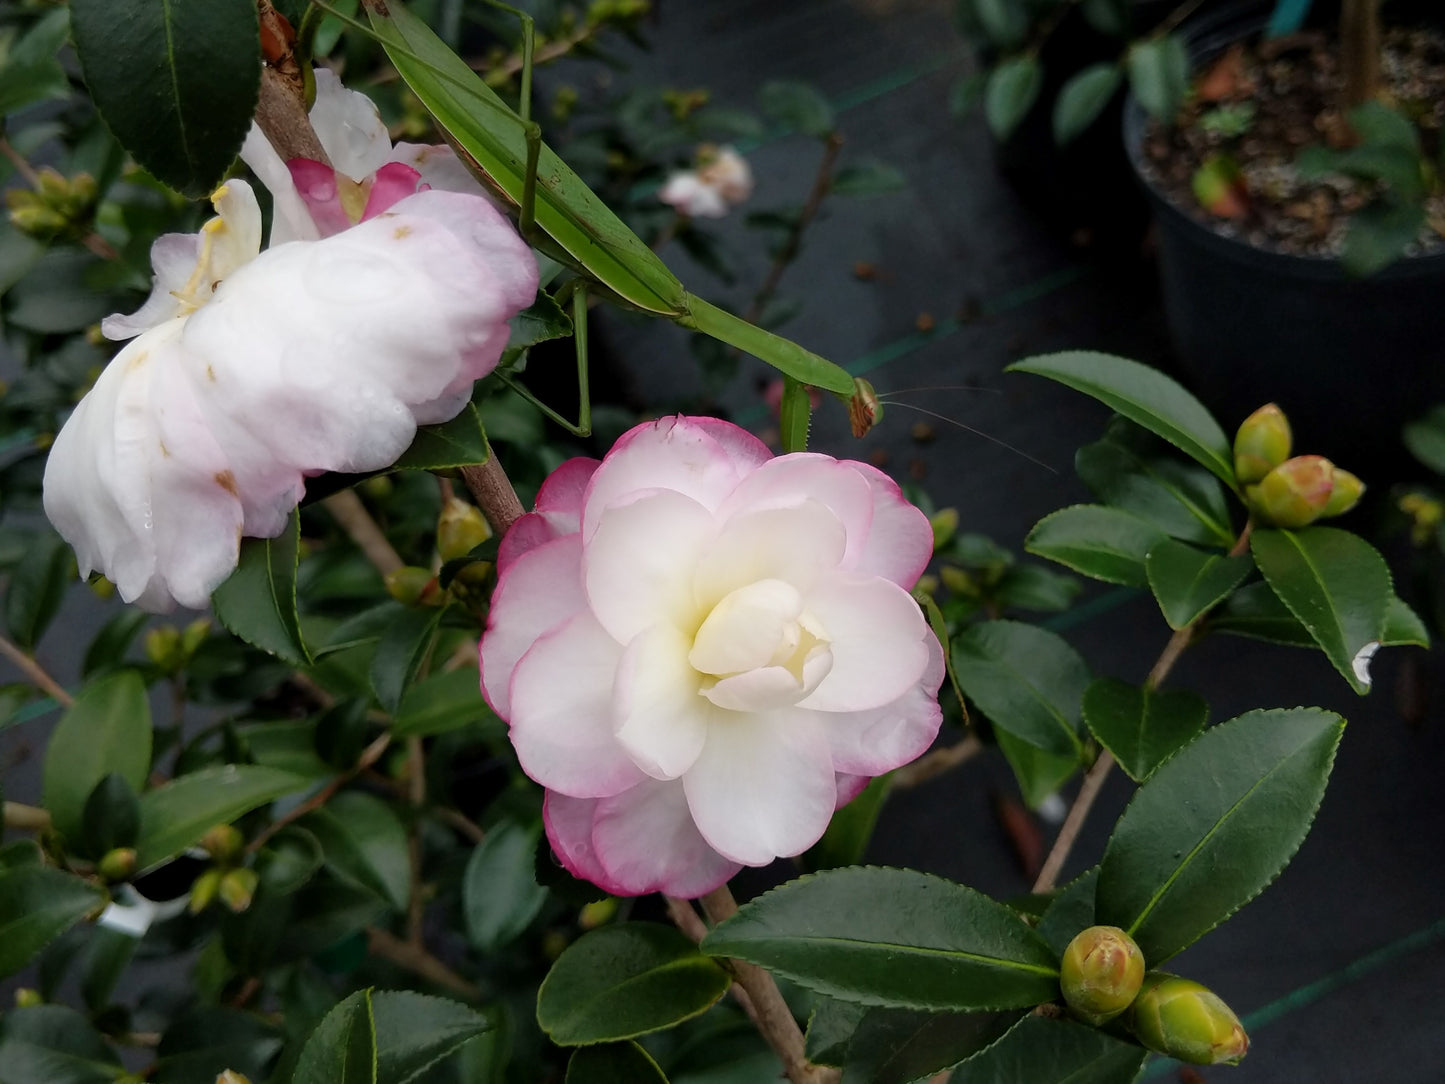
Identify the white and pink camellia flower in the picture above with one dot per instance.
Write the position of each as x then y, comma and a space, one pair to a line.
703, 651
250, 371
721, 181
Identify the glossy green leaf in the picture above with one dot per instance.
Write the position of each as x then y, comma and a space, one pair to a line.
1133, 470
414, 1032
107, 730
892, 937
1214, 826
176, 82
493, 143
457, 443
31, 71
113, 640
1039, 774
1159, 75
1111, 17
1256, 612
613, 1063
443, 702
1403, 626
37, 905
1425, 438
500, 893
867, 179
404, 647
111, 817
830, 1028
1144, 396
342, 1049
1041, 1050
1083, 98
622, 981
178, 813
51, 1044
365, 842
1027, 680
1071, 910
1188, 582
258, 601
540, 321
798, 106
846, 839
1006, 22
37, 587
1380, 233
899, 1046
1336, 584
1101, 542
1012, 89
289, 860
1140, 726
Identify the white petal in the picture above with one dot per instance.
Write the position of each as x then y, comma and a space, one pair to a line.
689, 194
638, 566
440, 168
350, 128
795, 545
290, 221
771, 687
536, 593
900, 539
173, 258
763, 787
746, 629
700, 457
659, 717
646, 841
878, 740
1361, 662
561, 712
879, 640
788, 480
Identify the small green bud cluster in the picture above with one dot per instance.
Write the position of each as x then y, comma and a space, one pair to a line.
227, 880
461, 528
1103, 978
1285, 491
171, 649
57, 206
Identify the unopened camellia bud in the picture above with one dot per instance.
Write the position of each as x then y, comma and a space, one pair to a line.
163, 645
230, 1076
238, 888
1295, 493
945, 525
204, 889
118, 864
1262, 443
1187, 1021
1345, 495
1101, 972
410, 585
461, 528
28, 998
223, 841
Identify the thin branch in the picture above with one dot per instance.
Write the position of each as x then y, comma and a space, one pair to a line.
416, 791
1069, 832
353, 518
369, 756
26, 817
463, 824
822, 182
489, 486
281, 115
22, 167
387, 946
685, 918
937, 762
769, 1011
36, 673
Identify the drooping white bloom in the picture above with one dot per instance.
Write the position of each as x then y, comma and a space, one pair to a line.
722, 180
249, 372
703, 650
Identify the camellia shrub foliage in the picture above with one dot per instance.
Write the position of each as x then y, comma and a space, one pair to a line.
444, 783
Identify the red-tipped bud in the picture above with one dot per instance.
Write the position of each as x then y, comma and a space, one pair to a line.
1101, 973
1345, 495
1295, 493
1262, 443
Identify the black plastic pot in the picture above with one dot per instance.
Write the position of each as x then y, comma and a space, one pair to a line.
1349, 360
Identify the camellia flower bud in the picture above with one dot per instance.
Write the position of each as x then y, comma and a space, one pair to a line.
118, 864
1295, 493
204, 889
1346, 493
238, 888
1187, 1021
1101, 973
162, 646
28, 998
1262, 443
411, 585
461, 528
945, 525
230, 1076
223, 842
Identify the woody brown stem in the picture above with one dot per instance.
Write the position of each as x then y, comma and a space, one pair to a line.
1360, 50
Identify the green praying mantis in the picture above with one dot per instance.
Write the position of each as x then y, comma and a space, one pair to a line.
565, 220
